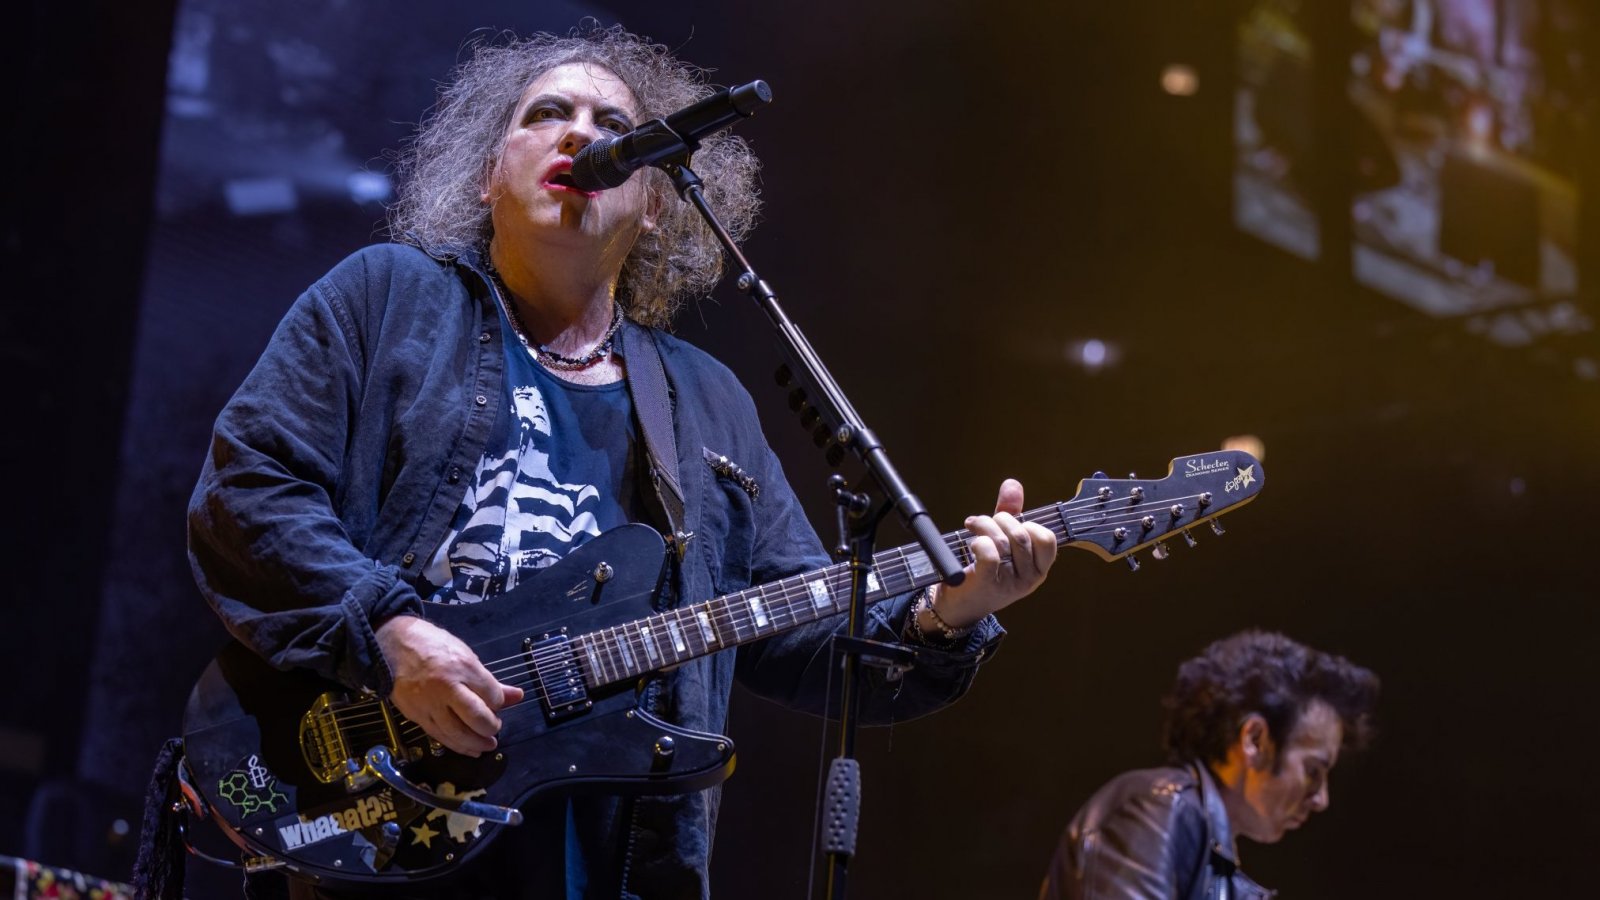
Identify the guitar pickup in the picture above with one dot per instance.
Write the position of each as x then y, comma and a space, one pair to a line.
558, 679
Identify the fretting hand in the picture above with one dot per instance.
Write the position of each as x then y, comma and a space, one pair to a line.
1010, 560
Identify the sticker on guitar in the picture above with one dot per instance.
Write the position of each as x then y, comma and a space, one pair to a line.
251, 787
303, 831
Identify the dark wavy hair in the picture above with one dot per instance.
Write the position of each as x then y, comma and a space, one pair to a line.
1267, 673
443, 168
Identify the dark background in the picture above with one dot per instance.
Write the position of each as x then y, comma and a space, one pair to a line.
957, 192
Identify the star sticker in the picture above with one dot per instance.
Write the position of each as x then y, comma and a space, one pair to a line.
459, 825
1247, 476
423, 835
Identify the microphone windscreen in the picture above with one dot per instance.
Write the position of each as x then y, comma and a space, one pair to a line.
597, 168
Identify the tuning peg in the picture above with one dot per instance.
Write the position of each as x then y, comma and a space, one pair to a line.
1216, 527
784, 376
1189, 538
1098, 474
1133, 562
1160, 551
1132, 475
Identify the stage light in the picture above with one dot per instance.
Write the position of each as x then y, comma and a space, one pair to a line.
1249, 443
1092, 354
1180, 80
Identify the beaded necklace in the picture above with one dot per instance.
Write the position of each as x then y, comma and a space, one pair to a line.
544, 354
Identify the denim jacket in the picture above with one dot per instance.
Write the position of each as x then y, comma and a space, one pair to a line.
334, 472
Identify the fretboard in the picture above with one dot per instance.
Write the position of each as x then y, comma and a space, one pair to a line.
629, 650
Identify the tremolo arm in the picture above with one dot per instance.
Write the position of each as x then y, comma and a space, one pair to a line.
333, 727
381, 764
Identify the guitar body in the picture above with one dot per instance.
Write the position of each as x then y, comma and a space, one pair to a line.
254, 751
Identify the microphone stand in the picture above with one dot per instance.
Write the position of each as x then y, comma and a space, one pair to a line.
822, 403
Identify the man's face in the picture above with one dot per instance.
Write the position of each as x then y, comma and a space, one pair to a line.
1289, 782
560, 113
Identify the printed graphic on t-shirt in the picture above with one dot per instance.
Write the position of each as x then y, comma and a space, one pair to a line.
517, 518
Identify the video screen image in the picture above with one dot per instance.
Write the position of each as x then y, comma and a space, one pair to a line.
1273, 129
1476, 110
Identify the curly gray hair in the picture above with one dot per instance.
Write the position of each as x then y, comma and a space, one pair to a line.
442, 170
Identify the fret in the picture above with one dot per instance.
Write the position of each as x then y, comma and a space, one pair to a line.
962, 548
785, 605
678, 647
705, 627
917, 563
733, 610
638, 639
596, 668
682, 638
722, 621
899, 578
841, 588
689, 621
821, 597
614, 655
627, 657
652, 652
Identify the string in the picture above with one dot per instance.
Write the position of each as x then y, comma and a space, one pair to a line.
540, 666
776, 600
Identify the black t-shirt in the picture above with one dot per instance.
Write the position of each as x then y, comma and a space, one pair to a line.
565, 470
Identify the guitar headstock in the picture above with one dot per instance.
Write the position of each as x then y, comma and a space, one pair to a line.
1115, 517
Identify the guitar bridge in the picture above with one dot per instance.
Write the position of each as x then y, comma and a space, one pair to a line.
557, 675
326, 746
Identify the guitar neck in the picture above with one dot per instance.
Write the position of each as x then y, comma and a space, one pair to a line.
1113, 518
629, 650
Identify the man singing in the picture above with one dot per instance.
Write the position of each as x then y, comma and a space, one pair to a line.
438, 419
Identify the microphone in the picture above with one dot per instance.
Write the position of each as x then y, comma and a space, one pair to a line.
608, 162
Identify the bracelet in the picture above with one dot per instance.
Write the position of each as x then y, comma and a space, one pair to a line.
913, 629
950, 633
948, 636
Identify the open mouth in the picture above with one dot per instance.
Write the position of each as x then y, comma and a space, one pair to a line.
560, 178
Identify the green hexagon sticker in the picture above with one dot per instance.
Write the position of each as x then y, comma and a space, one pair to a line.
251, 788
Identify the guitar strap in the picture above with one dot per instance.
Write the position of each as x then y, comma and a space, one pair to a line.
653, 404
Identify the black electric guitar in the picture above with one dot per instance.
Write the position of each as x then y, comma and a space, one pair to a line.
340, 787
